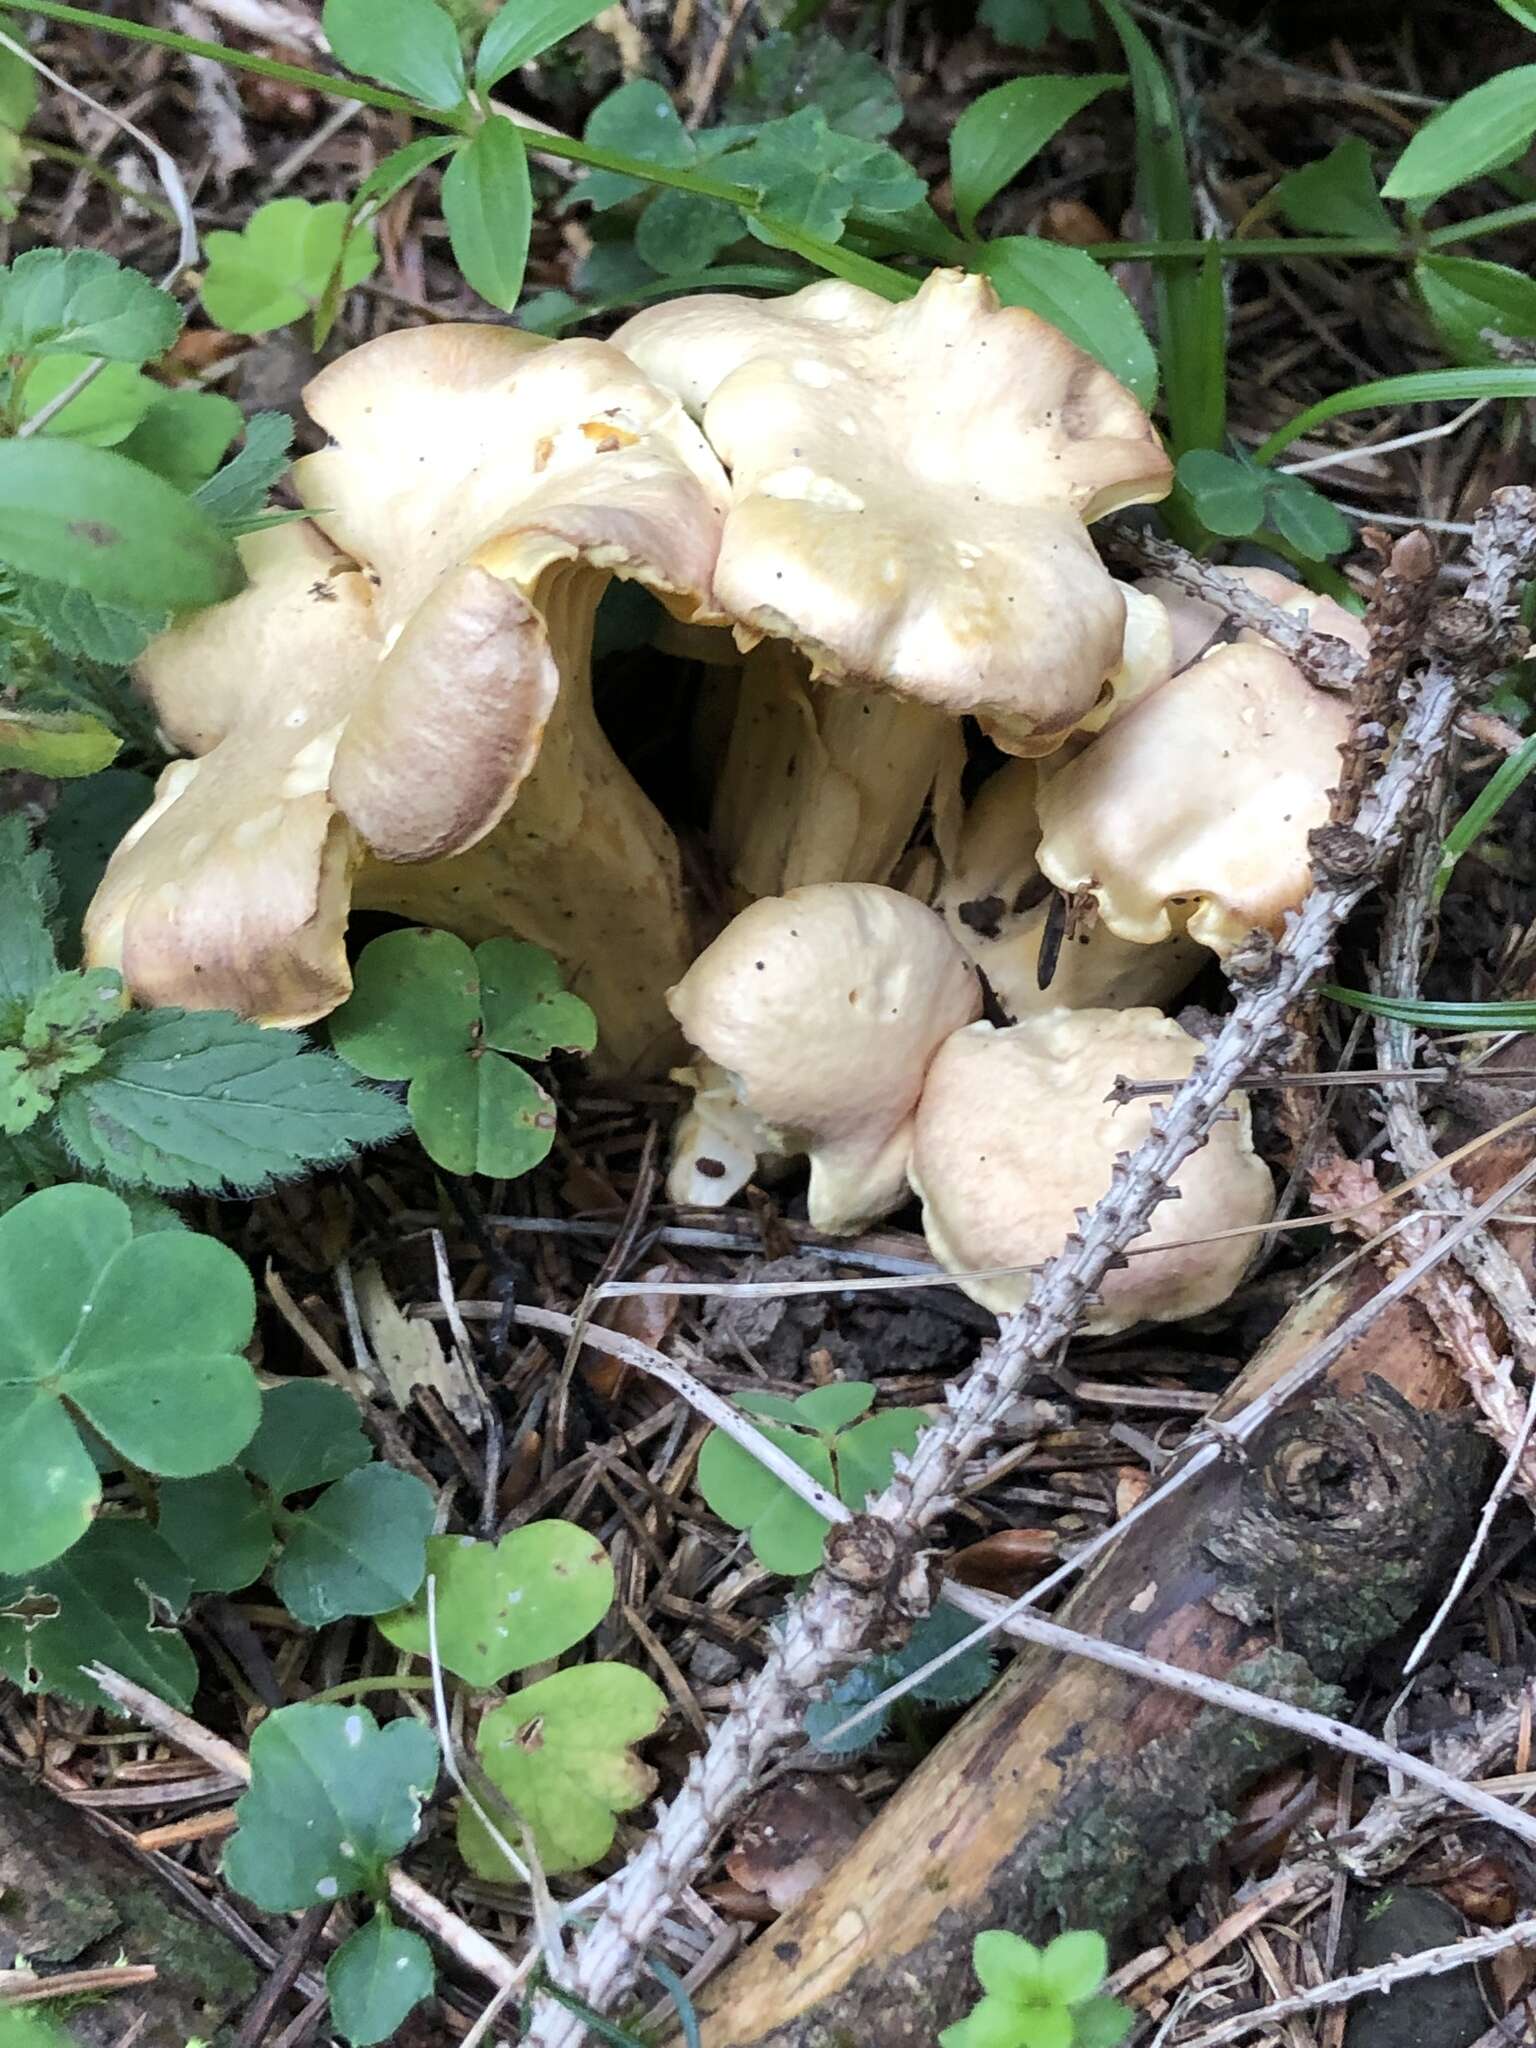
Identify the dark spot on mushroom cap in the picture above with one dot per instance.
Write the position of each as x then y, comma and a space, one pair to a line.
712, 1169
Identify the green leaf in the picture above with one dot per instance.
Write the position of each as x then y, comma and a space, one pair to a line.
1418, 387
1337, 195
28, 894
525, 29
333, 1797
79, 302
1481, 812
277, 268
865, 1453
84, 827
639, 120
415, 999
1518, 11
398, 169
238, 491
1043, 2026
55, 1038
1011, 1968
680, 233
93, 520
1304, 517
503, 1606
787, 1535
203, 1099
65, 744
184, 436
378, 1976
961, 1679
811, 177
1101, 2023
98, 1605
1074, 1965
1229, 496
488, 205
361, 1549
1001, 132
1074, 293
82, 628
828, 1408
309, 1434
218, 1528
1029, 23
993, 2023
409, 44
1466, 299
104, 413
1505, 1016
524, 1007
478, 1113
18, 90
559, 1752
785, 72
1482, 131
139, 1335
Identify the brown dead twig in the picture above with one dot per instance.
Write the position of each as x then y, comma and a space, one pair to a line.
875, 1583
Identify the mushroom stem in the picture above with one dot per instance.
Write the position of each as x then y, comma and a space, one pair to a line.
581, 864
821, 782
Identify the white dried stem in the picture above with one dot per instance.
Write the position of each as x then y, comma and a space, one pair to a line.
829, 1627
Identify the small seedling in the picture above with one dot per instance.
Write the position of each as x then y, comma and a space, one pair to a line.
1040, 1998
962, 1679
822, 1432
427, 1010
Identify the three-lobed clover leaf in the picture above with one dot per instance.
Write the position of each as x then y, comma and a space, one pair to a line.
1235, 497
822, 1432
141, 1337
559, 1753
1040, 1998
500, 1607
333, 1798
361, 1549
280, 265
427, 1010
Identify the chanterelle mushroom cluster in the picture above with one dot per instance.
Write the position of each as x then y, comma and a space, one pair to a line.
868, 524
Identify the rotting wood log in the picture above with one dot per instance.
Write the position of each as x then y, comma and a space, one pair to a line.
1071, 1794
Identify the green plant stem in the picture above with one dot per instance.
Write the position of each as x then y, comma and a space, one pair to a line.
1419, 387
863, 270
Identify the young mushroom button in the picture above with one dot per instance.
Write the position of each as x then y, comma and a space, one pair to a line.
818, 1012
1016, 1133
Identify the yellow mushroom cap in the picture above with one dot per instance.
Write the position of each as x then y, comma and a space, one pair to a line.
1014, 1136
824, 1006
1192, 811
910, 486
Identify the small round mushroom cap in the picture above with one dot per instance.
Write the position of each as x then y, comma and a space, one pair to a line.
824, 1007
997, 905
910, 489
1191, 813
1014, 1136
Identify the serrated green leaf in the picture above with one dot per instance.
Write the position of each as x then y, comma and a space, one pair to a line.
218, 1528
203, 1099
64, 744
478, 1113
82, 628
501, 1607
1337, 195
488, 205
361, 1549
1101, 2023
559, 1753
25, 1094
787, 1535
104, 413
309, 1434
415, 999
141, 1336
84, 827
184, 435
811, 177
80, 302
1482, 131
237, 492
1003, 130
66, 1018
278, 267
98, 1605
91, 519
1074, 1965
376, 1978
961, 1679
1229, 496
786, 72
409, 44
1466, 299
1074, 293
1304, 517
525, 29
28, 894
333, 1797
523, 1005
824, 1717
680, 233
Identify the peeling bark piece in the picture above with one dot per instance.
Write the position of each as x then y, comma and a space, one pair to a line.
1072, 1794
